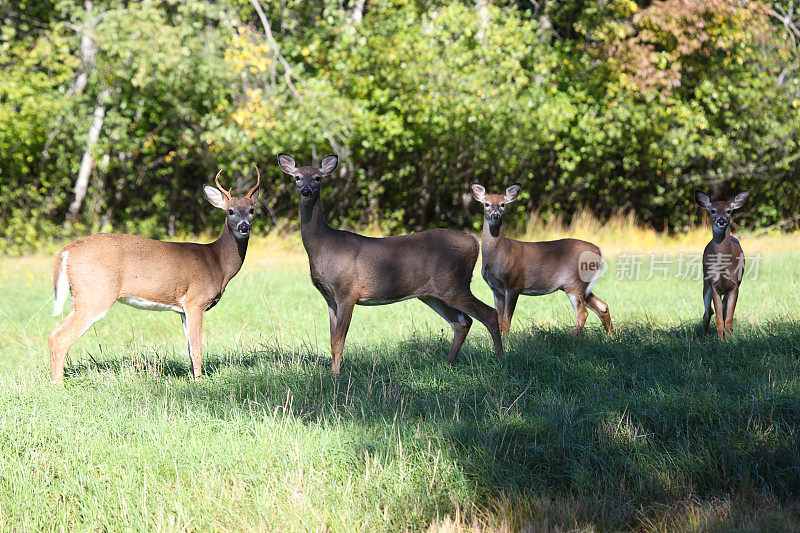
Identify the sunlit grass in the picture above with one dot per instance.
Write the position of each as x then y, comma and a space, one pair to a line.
651, 429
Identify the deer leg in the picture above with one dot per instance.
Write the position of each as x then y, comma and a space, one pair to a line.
70, 330
459, 321
487, 316
500, 307
601, 310
580, 311
193, 329
730, 307
708, 310
719, 313
511, 304
340, 323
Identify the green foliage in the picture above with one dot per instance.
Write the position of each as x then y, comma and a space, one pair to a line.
615, 106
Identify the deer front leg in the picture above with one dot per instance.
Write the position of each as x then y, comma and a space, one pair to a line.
193, 329
511, 304
707, 305
719, 313
340, 323
500, 307
730, 308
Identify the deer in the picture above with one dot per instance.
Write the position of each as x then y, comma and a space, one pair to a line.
348, 269
512, 268
184, 277
723, 263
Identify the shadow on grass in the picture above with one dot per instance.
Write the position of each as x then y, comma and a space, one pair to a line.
646, 418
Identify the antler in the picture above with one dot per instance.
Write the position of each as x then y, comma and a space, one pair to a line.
257, 185
226, 193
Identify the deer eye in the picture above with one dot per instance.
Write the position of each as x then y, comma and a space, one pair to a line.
317, 178
713, 211
502, 205
727, 211
230, 211
252, 210
486, 204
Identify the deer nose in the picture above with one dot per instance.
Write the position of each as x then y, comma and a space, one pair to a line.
495, 216
243, 227
305, 191
722, 222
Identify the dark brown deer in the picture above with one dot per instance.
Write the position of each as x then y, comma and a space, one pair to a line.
723, 263
513, 267
184, 277
348, 269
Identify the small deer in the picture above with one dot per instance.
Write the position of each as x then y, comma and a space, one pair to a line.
723, 263
187, 278
349, 269
512, 267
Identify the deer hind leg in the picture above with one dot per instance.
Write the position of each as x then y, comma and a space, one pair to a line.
340, 323
730, 307
707, 300
478, 310
459, 321
61, 339
581, 313
601, 310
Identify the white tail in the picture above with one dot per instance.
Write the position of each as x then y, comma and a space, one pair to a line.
187, 278
512, 268
349, 269
60, 282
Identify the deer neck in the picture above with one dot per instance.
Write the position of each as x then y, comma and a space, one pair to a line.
491, 240
313, 227
721, 239
229, 252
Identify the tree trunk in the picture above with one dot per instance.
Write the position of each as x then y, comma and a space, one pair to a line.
87, 162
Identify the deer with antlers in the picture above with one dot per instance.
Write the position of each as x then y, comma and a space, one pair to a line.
187, 278
348, 269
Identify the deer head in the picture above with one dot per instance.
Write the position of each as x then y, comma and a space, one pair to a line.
720, 212
308, 179
240, 209
494, 205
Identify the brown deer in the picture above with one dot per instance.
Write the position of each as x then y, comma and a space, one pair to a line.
184, 277
348, 269
512, 267
723, 263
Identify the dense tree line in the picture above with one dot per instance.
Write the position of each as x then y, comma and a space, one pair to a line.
112, 114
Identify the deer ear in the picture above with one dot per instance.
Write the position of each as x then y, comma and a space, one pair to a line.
328, 165
512, 192
702, 199
287, 164
478, 191
739, 199
214, 196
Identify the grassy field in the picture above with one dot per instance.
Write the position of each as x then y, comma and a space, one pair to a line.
652, 429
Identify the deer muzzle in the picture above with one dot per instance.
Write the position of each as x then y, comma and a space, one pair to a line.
305, 191
243, 227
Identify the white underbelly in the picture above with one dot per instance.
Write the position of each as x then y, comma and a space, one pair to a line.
147, 305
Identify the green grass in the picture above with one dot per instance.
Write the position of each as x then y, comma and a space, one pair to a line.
651, 429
